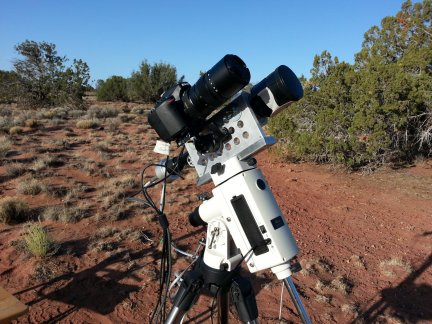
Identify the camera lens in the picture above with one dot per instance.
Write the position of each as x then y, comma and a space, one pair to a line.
284, 86
216, 86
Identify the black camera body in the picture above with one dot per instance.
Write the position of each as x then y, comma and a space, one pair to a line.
168, 118
182, 111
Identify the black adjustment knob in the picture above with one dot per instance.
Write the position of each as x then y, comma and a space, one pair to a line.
218, 168
295, 265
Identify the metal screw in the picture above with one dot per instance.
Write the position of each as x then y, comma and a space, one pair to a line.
228, 219
251, 264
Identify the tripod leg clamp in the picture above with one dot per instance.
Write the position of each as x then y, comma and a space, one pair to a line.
243, 297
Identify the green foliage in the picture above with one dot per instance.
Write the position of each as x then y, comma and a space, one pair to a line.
150, 81
378, 110
8, 86
38, 242
44, 79
113, 89
144, 85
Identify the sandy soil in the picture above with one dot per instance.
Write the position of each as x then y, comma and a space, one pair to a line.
365, 240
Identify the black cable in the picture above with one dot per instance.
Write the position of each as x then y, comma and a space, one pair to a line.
166, 257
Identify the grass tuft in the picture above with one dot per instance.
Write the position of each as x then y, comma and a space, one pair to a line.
65, 214
5, 145
16, 130
38, 242
343, 284
388, 265
15, 169
32, 123
358, 261
87, 123
324, 299
31, 187
13, 210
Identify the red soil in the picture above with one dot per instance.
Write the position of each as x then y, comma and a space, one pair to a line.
365, 241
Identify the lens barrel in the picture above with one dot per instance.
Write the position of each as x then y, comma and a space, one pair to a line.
284, 85
216, 86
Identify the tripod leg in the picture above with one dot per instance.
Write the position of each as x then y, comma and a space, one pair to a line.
223, 306
186, 296
296, 300
243, 297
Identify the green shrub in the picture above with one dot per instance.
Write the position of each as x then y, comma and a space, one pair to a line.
150, 81
8, 86
113, 89
13, 210
38, 242
44, 79
373, 112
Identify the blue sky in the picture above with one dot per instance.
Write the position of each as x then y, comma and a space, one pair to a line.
113, 37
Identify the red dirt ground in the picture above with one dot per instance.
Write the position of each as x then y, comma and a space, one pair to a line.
365, 241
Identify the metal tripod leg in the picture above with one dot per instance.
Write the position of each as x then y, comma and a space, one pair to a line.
186, 296
223, 307
296, 300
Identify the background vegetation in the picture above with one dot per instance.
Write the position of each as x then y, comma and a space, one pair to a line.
144, 85
41, 78
377, 110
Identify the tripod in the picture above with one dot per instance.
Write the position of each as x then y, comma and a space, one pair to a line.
244, 223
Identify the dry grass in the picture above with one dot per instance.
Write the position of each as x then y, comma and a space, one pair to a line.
102, 112
31, 187
65, 214
15, 169
43, 163
38, 242
5, 145
321, 284
315, 265
13, 210
113, 124
113, 191
105, 232
32, 123
324, 264
126, 118
343, 284
351, 309
387, 266
324, 299
88, 123
358, 261
15, 130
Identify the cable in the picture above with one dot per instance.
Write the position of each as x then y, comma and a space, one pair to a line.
281, 302
159, 312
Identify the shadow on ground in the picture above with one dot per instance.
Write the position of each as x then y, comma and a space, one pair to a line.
408, 301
